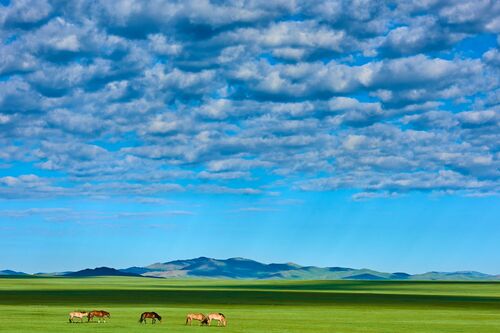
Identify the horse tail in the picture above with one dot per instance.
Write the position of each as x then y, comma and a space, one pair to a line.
141, 318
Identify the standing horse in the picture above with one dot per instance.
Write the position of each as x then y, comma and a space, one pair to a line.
152, 315
196, 316
100, 315
77, 314
221, 319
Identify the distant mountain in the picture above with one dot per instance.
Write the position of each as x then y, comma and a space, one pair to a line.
465, 275
203, 267
8, 272
241, 268
400, 276
364, 277
136, 270
42, 274
100, 271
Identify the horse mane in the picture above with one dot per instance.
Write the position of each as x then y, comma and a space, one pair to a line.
222, 315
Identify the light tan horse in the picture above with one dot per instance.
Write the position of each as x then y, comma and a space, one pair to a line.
77, 314
221, 319
196, 316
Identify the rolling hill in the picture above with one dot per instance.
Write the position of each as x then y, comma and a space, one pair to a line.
241, 268
8, 272
100, 271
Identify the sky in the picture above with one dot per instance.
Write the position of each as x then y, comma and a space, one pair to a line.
330, 133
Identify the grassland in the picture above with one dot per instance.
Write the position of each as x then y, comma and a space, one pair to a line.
42, 304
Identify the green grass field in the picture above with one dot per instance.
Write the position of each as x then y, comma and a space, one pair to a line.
42, 304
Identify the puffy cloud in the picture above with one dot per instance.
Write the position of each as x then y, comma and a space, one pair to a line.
25, 13
423, 35
147, 98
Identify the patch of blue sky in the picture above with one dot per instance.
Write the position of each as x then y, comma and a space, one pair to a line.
474, 46
367, 192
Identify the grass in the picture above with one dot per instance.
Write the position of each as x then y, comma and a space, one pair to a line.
42, 304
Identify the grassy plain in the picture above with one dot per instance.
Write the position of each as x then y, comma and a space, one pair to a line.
42, 304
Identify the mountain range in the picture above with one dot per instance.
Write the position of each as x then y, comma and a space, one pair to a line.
8, 272
241, 268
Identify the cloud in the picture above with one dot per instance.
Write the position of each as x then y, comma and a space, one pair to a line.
143, 99
364, 196
25, 13
254, 210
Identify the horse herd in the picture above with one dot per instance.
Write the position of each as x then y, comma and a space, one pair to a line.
103, 315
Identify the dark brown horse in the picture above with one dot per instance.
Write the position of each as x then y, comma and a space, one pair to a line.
101, 315
152, 315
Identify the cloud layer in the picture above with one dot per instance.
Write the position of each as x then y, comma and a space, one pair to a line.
124, 98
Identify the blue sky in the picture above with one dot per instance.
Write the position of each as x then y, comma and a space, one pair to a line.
332, 133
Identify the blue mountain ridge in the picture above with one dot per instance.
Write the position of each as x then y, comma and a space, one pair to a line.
241, 268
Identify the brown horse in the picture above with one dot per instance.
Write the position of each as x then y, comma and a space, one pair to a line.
152, 315
196, 316
100, 315
221, 319
77, 314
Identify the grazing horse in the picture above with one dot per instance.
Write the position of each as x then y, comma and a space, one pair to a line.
221, 319
100, 315
77, 314
196, 316
152, 315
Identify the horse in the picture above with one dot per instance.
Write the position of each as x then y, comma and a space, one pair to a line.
152, 315
100, 315
221, 319
196, 316
77, 314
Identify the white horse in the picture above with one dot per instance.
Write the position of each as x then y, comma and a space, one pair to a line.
221, 319
77, 314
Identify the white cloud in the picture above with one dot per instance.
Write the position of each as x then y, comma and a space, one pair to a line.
231, 97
